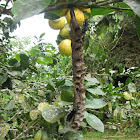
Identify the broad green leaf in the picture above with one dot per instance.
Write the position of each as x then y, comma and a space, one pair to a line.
17, 57
128, 80
24, 60
95, 103
26, 8
68, 82
100, 11
138, 26
34, 52
52, 113
124, 5
51, 16
132, 87
64, 103
44, 60
3, 79
60, 82
15, 73
24, 57
134, 5
94, 122
12, 62
91, 81
67, 95
96, 91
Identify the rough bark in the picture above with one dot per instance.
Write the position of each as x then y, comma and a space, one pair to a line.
78, 72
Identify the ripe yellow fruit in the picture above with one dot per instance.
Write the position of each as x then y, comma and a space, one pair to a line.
57, 24
78, 14
65, 47
42, 105
86, 10
65, 31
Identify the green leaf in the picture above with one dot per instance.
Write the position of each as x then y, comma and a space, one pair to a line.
67, 95
60, 82
52, 113
138, 26
3, 79
95, 103
68, 82
128, 80
12, 61
94, 122
134, 5
26, 8
15, 73
64, 103
100, 11
51, 83
34, 52
124, 5
96, 91
17, 57
41, 35
51, 16
44, 60
24, 60
91, 81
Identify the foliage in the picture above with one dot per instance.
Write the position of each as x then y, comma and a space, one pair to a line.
41, 74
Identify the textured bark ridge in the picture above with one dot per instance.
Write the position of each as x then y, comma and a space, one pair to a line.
78, 72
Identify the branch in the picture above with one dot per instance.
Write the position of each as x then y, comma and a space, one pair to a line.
81, 5
6, 4
115, 8
5, 11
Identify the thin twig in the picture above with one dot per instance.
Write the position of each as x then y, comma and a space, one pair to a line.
23, 132
6, 4
117, 41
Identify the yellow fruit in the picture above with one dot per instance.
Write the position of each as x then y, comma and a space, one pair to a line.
65, 31
42, 105
86, 10
65, 47
57, 24
78, 14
